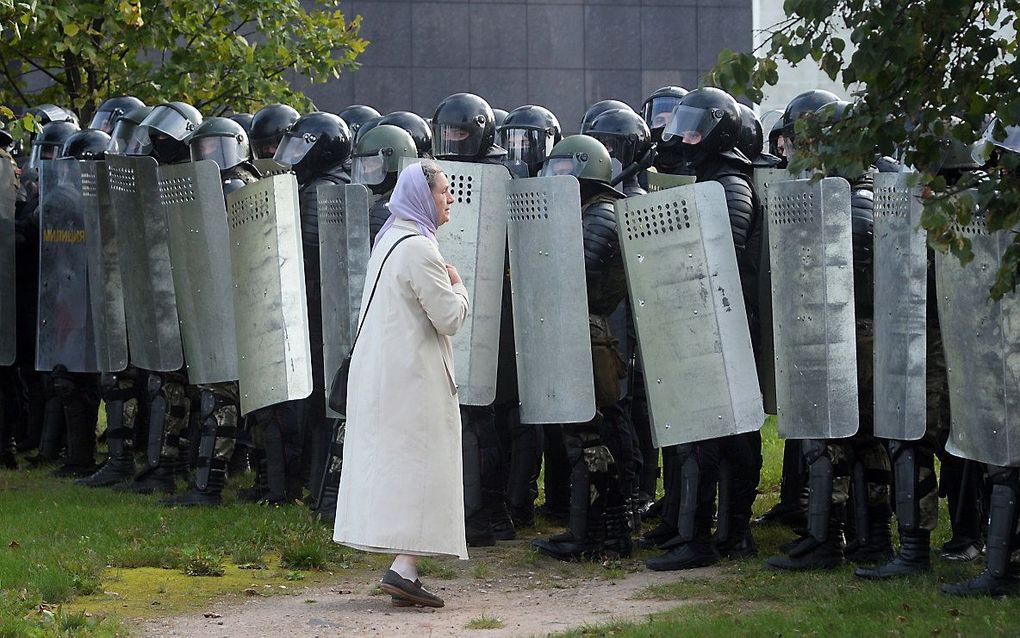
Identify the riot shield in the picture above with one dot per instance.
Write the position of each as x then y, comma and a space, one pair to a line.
811, 256
65, 329
192, 199
763, 179
689, 314
661, 181
550, 301
150, 304
343, 260
982, 344
270, 305
901, 297
106, 291
8, 317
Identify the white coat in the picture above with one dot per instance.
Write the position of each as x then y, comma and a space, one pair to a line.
401, 486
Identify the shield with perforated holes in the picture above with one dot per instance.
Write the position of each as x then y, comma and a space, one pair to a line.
811, 255
143, 242
982, 343
342, 210
901, 300
192, 197
661, 181
474, 241
550, 300
106, 291
689, 314
270, 304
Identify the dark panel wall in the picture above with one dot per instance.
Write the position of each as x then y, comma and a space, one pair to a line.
563, 54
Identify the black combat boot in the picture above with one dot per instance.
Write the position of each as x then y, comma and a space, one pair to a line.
698, 552
583, 541
120, 460
618, 527
912, 559
206, 490
876, 545
80, 412
159, 478
499, 516
812, 553
258, 490
996, 579
738, 542
119, 467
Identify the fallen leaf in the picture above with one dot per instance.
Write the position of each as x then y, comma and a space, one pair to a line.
210, 614
14, 544
906, 607
901, 618
251, 591
953, 611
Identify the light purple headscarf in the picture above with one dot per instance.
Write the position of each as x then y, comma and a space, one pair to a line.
412, 201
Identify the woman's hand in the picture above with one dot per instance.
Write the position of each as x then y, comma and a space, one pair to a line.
454, 275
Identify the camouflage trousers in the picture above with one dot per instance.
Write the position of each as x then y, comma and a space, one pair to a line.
862, 447
219, 413
122, 387
170, 386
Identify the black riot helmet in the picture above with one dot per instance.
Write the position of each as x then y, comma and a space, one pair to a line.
463, 127
529, 134
164, 130
801, 105
706, 121
624, 134
123, 140
244, 119
113, 108
776, 143
377, 156
48, 144
500, 115
47, 113
751, 139
416, 127
365, 127
268, 126
599, 108
86, 145
356, 115
658, 108
315, 144
221, 140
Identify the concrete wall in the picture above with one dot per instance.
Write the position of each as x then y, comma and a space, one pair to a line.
562, 54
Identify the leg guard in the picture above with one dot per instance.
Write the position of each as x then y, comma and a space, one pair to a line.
820, 474
81, 411
328, 487
904, 459
723, 514
477, 524
51, 439
157, 418
219, 430
859, 502
275, 470
121, 410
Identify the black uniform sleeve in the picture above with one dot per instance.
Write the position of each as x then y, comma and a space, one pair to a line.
862, 216
740, 202
377, 216
603, 262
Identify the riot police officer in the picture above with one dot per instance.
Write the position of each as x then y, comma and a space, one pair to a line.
658, 111
599, 451
356, 115
705, 126
528, 134
752, 139
268, 126
113, 109
416, 127
376, 164
316, 148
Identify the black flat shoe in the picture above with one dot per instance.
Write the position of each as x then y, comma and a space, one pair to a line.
409, 591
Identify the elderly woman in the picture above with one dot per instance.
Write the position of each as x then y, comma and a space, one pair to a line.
401, 489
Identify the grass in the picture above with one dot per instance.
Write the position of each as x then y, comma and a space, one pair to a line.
484, 622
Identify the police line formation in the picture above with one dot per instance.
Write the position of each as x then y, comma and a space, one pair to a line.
659, 282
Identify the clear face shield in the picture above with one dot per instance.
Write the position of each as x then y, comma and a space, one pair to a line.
659, 111
167, 120
105, 120
690, 125
564, 165
293, 148
222, 149
41, 152
621, 149
265, 148
369, 170
455, 140
121, 138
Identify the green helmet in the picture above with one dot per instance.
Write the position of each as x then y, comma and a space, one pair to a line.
582, 156
221, 140
378, 154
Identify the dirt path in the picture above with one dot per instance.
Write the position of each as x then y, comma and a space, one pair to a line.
527, 603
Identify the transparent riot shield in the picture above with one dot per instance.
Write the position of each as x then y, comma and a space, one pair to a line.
270, 304
763, 179
65, 330
689, 314
901, 297
143, 242
343, 259
813, 308
8, 316
982, 344
550, 301
106, 290
192, 197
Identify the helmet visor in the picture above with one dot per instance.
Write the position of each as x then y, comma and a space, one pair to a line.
42, 152
620, 148
369, 169
222, 149
690, 124
105, 120
526, 145
659, 110
266, 147
167, 120
455, 140
120, 138
563, 165
293, 148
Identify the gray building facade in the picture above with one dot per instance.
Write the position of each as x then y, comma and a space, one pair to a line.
562, 54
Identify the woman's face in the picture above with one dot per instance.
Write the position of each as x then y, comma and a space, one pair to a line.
443, 198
